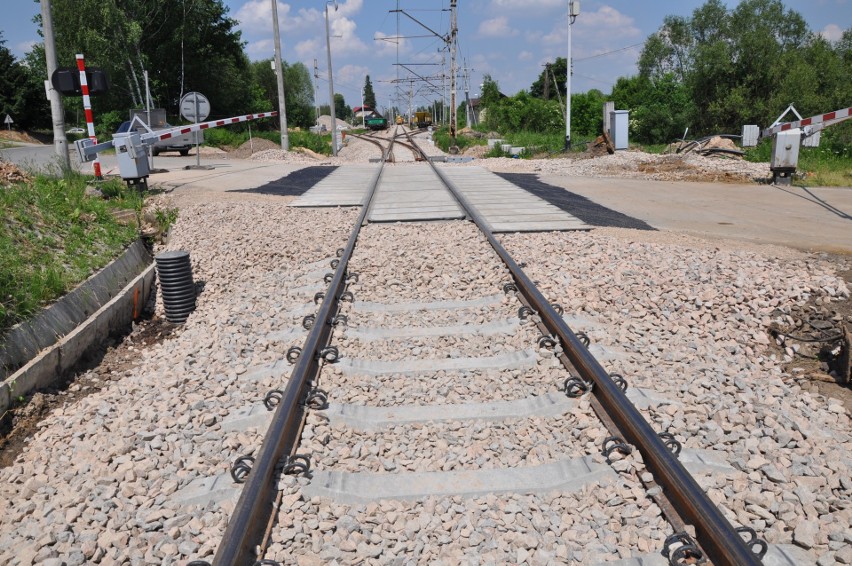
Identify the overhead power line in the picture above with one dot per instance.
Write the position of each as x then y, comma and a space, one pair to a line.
576, 59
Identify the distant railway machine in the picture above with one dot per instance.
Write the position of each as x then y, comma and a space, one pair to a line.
376, 122
422, 120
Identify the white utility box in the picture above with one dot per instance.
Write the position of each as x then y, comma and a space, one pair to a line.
132, 157
618, 128
751, 133
785, 149
785, 155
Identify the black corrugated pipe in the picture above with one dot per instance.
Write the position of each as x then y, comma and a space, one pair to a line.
176, 285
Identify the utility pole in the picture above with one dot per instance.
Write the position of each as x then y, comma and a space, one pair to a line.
547, 81
573, 12
330, 81
468, 105
454, 148
316, 92
279, 73
60, 142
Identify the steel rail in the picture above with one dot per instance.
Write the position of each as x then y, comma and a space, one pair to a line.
723, 545
255, 505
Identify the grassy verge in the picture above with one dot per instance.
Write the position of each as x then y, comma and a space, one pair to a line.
222, 137
53, 236
442, 140
827, 166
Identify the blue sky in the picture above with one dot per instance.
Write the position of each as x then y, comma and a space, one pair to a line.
508, 39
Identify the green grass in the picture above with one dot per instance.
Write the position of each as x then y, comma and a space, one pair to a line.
227, 137
442, 140
52, 237
827, 166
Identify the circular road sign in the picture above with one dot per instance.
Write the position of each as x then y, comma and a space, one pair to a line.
192, 101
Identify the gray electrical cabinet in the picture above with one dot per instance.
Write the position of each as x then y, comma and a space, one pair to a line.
618, 128
751, 134
785, 155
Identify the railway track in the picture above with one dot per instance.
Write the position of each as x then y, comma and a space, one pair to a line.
441, 405
386, 144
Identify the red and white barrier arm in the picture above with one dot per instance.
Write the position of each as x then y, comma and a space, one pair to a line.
832, 117
155, 136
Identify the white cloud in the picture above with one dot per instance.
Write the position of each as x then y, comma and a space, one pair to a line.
496, 27
255, 17
525, 56
24, 46
309, 48
350, 78
387, 44
262, 49
832, 32
528, 4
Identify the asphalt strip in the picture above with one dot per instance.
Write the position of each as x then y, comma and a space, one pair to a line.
574, 204
295, 184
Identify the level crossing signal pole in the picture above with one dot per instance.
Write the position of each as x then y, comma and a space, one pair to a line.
87, 109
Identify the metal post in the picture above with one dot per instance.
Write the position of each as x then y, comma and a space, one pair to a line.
454, 148
316, 93
148, 115
60, 142
279, 73
197, 146
573, 11
330, 81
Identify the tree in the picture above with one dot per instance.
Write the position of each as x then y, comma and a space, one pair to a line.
555, 82
177, 41
369, 95
739, 66
298, 92
12, 82
341, 109
21, 92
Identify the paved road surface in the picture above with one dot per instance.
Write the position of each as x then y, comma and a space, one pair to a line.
818, 219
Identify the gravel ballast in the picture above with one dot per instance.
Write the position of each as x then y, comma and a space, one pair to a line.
683, 317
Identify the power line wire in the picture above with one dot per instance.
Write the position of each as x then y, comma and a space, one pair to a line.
577, 59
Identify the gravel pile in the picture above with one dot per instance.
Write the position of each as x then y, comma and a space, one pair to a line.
694, 319
95, 484
636, 165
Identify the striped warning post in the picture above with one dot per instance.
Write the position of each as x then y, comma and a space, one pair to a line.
87, 108
843, 113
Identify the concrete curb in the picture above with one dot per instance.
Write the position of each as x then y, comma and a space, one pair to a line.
54, 353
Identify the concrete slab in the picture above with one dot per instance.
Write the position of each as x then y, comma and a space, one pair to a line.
562, 475
346, 186
522, 359
803, 218
367, 334
776, 555
255, 415
506, 207
705, 461
367, 417
370, 307
206, 491
412, 193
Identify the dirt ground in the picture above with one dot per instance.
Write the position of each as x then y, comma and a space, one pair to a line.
820, 366
15, 136
110, 363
